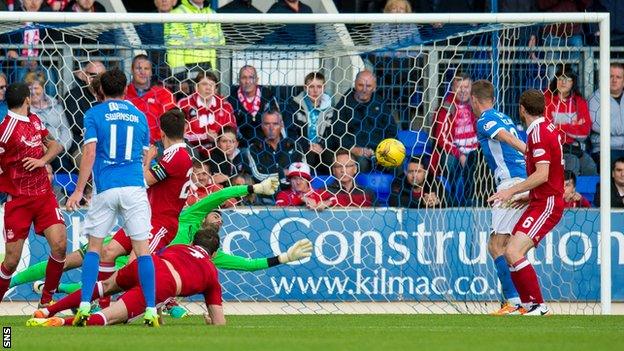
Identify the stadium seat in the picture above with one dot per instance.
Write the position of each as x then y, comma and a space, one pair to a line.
66, 181
586, 186
379, 183
415, 142
321, 181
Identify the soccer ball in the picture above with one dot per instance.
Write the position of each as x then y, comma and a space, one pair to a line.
390, 153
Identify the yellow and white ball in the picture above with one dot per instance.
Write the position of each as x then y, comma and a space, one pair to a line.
390, 153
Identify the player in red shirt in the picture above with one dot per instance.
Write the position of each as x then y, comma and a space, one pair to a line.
169, 182
153, 100
544, 162
300, 192
207, 113
26, 147
181, 270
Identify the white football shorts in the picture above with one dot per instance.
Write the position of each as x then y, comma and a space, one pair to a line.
505, 218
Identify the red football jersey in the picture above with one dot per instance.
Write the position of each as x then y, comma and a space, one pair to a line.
173, 172
197, 272
153, 103
544, 146
203, 118
20, 137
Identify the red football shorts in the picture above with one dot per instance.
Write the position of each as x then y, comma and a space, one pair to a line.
128, 279
20, 212
160, 236
540, 218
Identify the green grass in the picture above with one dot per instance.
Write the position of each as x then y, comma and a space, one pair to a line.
336, 332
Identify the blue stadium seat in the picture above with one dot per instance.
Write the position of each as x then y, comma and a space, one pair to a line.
321, 181
66, 181
415, 142
586, 185
379, 183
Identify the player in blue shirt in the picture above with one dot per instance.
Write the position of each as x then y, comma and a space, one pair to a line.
116, 138
504, 153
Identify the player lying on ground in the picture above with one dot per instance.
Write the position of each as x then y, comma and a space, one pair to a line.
545, 184
181, 270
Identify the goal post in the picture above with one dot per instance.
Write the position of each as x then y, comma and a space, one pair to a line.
341, 52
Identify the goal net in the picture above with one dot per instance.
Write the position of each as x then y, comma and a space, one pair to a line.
411, 239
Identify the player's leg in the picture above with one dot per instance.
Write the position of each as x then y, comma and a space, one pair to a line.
120, 245
17, 220
56, 236
136, 214
37, 270
12, 254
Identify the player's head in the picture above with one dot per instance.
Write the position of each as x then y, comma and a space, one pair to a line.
314, 85
569, 184
415, 172
481, 96
532, 105
213, 218
226, 141
141, 71
565, 82
113, 84
172, 124
365, 86
248, 79
617, 171
17, 96
208, 239
345, 166
616, 81
206, 84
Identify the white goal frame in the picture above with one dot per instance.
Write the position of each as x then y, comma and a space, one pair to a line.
481, 18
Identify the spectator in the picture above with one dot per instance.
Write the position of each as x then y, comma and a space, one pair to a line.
3, 105
617, 185
57, 5
362, 122
81, 98
455, 135
567, 109
299, 34
52, 115
84, 6
152, 100
417, 188
345, 192
204, 185
153, 34
249, 101
308, 117
395, 35
617, 115
199, 38
206, 113
239, 6
225, 160
571, 197
274, 153
300, 192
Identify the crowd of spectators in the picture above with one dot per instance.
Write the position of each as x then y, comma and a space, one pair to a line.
250, 134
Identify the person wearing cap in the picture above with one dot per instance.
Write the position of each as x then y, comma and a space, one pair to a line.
300, 192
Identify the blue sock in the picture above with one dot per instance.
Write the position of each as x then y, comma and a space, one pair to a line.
502, 270
146, 278
90, 269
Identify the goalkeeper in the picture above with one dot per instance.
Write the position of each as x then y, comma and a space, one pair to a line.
191, 219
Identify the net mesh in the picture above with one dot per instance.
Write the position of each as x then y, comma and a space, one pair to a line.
429, 253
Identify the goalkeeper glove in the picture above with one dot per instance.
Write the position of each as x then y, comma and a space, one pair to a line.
298, 251
267, 186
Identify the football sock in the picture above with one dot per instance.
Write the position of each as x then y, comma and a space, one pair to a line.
96, 319
90, 269
73, 300
35, 272
525, 279
146, 278
504, 275
5, 280
68, 288
106, 270
53, 274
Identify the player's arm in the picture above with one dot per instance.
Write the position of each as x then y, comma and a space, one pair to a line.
155, 173
53, 148
537, 178
86, 168
298, 251
508, 138
213, 298
215, 315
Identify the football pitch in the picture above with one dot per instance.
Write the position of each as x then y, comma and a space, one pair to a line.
336, 332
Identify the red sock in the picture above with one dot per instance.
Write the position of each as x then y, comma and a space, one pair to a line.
68, 321
54, 270
5, 280
525, 280
106, 270
72, 300
96, 319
